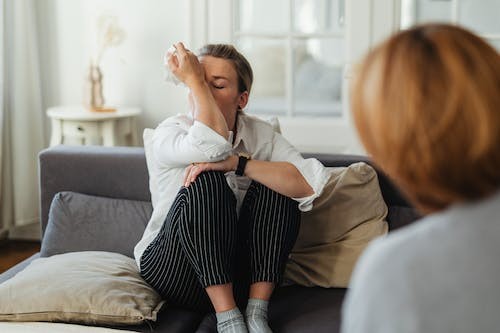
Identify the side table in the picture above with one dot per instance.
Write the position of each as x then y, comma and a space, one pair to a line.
77, 125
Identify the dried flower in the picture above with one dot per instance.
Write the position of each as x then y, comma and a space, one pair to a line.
109, 34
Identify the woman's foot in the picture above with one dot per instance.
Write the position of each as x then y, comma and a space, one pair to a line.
231, 321
256, 316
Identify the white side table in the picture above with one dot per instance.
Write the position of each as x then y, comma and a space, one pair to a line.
77, 125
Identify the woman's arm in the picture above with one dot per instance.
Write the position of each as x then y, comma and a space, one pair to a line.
177, 142
282, 177
186, 67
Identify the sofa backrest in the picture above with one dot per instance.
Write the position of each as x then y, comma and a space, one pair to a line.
114, 172
121, 172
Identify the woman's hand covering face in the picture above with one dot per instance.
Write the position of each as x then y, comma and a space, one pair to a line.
185, 65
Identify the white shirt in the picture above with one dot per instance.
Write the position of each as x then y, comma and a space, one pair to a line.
180, 140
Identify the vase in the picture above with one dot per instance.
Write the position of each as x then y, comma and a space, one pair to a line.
94, 100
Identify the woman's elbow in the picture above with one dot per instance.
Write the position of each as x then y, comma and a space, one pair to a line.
308, 190
303, 188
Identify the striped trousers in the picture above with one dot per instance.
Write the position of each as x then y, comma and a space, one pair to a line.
202, 242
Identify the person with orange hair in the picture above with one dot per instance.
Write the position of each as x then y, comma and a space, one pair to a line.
426, 104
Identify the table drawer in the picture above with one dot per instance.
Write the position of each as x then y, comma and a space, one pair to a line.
80, 128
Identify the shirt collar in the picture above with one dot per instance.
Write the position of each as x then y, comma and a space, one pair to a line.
241, 129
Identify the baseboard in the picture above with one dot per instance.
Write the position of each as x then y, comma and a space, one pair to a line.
26, 232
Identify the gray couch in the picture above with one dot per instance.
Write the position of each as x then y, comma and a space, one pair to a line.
121, 172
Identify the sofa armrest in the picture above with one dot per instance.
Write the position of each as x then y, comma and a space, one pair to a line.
116, 172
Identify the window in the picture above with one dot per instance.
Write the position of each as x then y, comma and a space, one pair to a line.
482, 17
297, 51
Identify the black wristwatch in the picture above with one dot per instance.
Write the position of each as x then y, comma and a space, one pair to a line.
242, 163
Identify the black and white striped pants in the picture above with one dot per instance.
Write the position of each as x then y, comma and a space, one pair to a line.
203, 243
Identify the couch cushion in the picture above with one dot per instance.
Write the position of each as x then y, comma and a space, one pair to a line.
80, 222
81, 287
296, 309
170, 320
348, 215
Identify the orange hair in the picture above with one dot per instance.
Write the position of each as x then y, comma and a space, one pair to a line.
426, 104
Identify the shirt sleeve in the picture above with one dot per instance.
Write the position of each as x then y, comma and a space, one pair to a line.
176, 144
315, 174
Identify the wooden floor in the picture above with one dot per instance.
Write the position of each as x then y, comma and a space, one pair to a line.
15, 251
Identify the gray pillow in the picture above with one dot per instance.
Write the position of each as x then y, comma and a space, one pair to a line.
80, 222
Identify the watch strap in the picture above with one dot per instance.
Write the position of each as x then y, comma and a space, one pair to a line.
242, 163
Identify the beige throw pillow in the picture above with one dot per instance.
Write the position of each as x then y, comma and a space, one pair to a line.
91, 287
345, 218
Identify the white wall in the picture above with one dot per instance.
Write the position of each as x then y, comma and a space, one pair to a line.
133, 72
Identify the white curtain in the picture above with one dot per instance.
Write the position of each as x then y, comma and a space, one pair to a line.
2, 107
22, 125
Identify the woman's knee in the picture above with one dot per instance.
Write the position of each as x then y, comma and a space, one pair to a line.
210, 181
269, 196
210, 195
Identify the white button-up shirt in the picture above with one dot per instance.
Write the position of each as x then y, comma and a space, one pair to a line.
180, 140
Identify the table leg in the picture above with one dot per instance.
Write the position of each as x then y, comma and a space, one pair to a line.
133, 132
56, 136
108, 133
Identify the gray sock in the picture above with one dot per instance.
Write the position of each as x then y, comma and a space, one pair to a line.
231, 321
256, 316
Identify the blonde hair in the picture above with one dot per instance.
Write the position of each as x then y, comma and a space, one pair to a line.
240, 63
426, 104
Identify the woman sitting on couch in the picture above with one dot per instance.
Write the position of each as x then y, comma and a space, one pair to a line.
427, 106
225, 236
